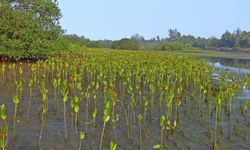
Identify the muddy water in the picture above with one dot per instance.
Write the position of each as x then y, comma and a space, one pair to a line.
193, 133
238, 67
243, 63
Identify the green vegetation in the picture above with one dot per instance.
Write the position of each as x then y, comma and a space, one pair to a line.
143, 94
126, 44
173, 46
29, 29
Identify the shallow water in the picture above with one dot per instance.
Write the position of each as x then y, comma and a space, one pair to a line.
235, 66
243, 62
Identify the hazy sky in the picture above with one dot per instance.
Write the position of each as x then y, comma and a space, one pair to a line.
115, 19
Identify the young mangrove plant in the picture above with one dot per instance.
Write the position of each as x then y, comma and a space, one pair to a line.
145, 110
82, 136
162, 127
16, 101
139, 118
31, 83
87, 95
76, 109
106, 118
244, 110
112, 146
3, 68
43, 111
5, 129
217, 108
65, 92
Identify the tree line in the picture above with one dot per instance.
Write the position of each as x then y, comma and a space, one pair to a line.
30, 28
228, 41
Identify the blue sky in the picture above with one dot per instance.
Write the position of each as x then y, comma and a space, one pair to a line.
115, 19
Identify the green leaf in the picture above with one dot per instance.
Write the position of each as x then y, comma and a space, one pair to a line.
82, 135
158, 146
76, 108
106, 118
15, 99
175, 123
139, 117
162, 121
3, 116
112, 146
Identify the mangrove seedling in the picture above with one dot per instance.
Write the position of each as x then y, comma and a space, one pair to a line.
106, 118
82, 136
31, 83
76, 109
162, 126
139, 118
4, 129
112, 146
65, 99
157, 146
16, 102
43, 111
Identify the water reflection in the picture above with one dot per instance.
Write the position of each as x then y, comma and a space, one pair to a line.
235, 66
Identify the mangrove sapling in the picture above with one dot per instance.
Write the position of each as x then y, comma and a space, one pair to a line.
169, 100
132, 107
157, 146
200, 105
3, 142
12, 67
177, 106
217, 108
87, 95
43, 111
152, 93
20, 72
115, 119
209, 101
82, 136
139, 118
246, 105
19, 88
164, 89
31, 83
204, 94
16, 101
79, 86
127, 119
3, 68
65, 99
112, 146
131, 103
162, 126
229, 109
222, 94
114, 116
236, 110
145, 117
4, 130
169, 128
244, 111
76, 109
94, 113
72, 106
55, 85
106, 118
